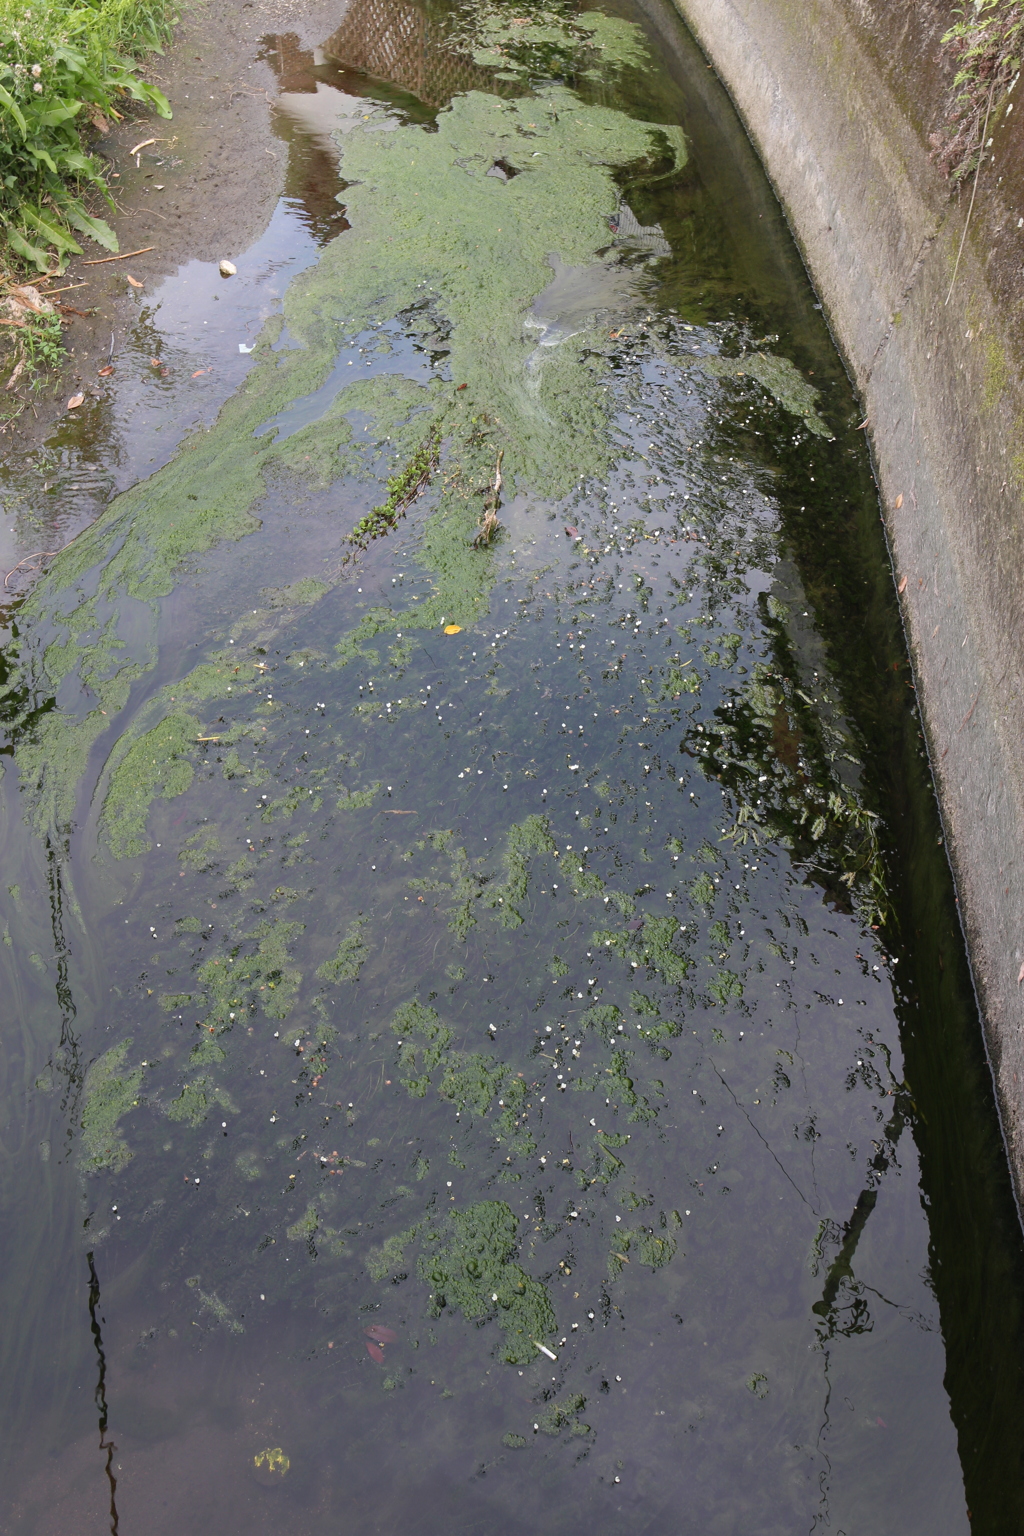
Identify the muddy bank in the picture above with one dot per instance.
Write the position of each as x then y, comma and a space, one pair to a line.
203, 186
842, 103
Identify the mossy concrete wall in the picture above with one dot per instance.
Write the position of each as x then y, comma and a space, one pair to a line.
843, 99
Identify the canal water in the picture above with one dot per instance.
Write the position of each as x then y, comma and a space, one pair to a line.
488, 1042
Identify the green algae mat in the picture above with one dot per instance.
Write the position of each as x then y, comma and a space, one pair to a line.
630, 1164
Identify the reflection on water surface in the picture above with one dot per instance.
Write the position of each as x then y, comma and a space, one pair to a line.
538, 1088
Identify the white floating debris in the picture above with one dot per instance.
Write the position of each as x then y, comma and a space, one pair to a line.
545, 1351
227, 268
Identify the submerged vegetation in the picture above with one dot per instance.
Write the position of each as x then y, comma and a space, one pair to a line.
67, 67
530, 1026
110, 1093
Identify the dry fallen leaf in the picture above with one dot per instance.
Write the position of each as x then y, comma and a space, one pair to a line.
199, 372
107, 371
75, 402
154, 362
453, 629
899, 501
133, 280
902, 586
1020, 975
27, 297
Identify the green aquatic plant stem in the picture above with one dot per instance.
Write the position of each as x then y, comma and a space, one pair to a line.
403, 489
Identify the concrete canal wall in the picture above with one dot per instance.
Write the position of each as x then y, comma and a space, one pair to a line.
843, 100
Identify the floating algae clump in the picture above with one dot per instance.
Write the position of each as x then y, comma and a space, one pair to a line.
464, 250
524, 838
348, 961
211, 1302
563, 1413
196, 1099
639, 1245
155, 766
270, 1466
430, 1040
779, 377
467, 1262
109, 1094
478, 251
266, 977
471, 883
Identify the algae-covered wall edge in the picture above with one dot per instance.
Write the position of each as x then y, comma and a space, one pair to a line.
880, 231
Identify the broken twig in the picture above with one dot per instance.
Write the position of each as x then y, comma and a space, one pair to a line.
489, 524
98, 261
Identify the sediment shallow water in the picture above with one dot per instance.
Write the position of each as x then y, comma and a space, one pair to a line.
539, 1087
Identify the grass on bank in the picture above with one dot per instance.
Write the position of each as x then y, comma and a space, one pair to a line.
67, 68
987, 42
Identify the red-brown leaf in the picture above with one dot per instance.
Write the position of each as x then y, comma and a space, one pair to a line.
381, 1334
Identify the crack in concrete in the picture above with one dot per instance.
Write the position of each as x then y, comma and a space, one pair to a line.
908, 288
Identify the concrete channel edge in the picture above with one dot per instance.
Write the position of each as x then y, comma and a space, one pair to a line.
838, 105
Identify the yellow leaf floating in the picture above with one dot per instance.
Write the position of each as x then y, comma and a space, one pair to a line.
270, 1465
453, 629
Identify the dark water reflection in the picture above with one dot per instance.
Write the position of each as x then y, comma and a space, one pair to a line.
472, 935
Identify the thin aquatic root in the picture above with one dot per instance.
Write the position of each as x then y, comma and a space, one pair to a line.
42, 554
